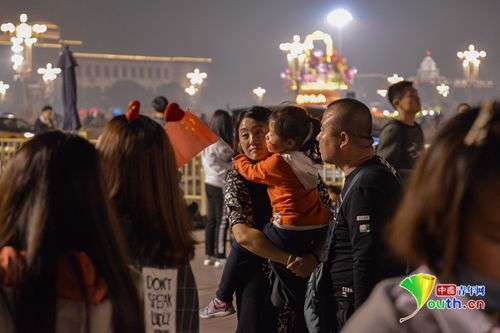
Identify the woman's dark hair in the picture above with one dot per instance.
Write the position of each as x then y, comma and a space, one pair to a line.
143, 180
53, 203
258, 113
429, 226
221, 124
293, 122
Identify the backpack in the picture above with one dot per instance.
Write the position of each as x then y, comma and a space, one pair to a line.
318, 305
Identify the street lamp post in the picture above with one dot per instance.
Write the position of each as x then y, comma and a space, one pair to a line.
3, 89
382, 92
196, 79
443, 89
471, 59
49, 74
395, 78
259, 92
22, 37
339, 18
296, 56
191, 90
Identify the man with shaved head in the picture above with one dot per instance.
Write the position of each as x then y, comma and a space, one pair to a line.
357, 257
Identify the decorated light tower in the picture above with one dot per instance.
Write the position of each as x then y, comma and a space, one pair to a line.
315, 74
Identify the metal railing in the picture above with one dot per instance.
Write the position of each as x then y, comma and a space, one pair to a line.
7, 149
193, 176
193, 183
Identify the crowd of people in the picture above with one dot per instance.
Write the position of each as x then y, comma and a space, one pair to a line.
81, 225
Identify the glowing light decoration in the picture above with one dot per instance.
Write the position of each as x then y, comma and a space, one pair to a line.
395, 78
49, 73
196, 77
471, 59
434, 111
295, 49
443, 89
259, 91
382, 92
311, 99
3, 89
22, 39
315, 68
191, 90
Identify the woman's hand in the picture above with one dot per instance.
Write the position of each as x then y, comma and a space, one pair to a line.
303, 266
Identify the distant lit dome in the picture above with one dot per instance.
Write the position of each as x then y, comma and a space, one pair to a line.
428, 71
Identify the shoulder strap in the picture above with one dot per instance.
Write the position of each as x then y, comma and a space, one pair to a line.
343, 198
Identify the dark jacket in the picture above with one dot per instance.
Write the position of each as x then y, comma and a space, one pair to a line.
358, 257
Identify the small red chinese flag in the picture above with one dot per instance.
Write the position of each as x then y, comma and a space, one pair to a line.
188, 134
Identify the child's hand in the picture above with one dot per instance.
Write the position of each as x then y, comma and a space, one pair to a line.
303, 266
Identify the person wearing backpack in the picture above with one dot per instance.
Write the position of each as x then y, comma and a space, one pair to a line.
356, 256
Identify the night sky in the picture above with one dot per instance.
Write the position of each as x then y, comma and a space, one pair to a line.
242, 37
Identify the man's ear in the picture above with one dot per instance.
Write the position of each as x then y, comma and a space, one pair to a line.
396, 102
344, 139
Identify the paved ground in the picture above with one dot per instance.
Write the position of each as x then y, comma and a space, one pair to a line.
207, 279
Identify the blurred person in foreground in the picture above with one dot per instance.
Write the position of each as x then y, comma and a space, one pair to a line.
143, 181
463, 107
62, 265
449, 227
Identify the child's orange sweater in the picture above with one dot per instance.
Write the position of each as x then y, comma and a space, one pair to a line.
294, 206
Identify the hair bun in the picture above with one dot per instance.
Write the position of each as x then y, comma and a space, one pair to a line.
133, 110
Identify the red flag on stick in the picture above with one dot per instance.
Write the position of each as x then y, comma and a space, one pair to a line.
188, 134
